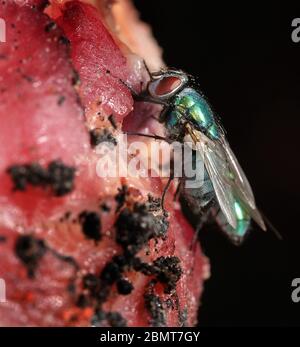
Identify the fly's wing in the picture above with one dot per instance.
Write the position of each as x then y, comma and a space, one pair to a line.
239, 176
241, 185
216, 167
228, 179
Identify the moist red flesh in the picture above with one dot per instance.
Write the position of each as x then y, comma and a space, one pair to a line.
93, 49
43, 112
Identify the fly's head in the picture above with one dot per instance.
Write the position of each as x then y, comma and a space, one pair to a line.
165, 84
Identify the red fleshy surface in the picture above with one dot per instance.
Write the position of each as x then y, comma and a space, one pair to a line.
35, 71
92, 50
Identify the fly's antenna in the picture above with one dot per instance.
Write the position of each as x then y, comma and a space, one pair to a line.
271, 227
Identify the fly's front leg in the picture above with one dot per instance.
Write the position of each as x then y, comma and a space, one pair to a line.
147, 69
151, 136
143, 96
135, 95
163, 114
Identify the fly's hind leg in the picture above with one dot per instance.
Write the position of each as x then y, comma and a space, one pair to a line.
177, 192
204, 220
167, 186
201, 223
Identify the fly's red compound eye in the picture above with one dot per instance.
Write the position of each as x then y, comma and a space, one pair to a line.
166, 85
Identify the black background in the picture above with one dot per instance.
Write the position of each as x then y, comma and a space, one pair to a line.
249, 69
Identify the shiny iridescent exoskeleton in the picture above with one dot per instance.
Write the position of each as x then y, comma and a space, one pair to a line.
186, 113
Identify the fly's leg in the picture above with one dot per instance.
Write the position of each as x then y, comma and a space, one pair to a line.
135, 95
206, 207
199, 226
143, 96
193, 243
152, 136
165, 192
157, 137
177, 191
147, 69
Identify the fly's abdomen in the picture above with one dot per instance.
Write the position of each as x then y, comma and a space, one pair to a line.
199, 199
243, 219
197, 111
202, 199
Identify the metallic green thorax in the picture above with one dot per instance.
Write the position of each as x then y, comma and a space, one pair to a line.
196, 109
